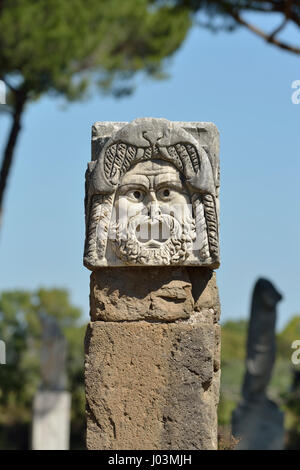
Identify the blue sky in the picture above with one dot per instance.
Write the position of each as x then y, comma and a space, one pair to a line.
234, 80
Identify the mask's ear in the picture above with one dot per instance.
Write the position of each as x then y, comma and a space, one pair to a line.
100, 180
203, 180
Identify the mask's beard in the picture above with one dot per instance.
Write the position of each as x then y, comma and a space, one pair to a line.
172, 248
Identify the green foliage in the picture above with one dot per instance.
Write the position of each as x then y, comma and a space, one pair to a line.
292, 417
61, 46
225, 409
234, 336
291, 397
20, 328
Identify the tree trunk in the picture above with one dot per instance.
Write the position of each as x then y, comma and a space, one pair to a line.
10, 147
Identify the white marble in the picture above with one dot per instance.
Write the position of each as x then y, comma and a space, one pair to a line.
152, 194
51, 420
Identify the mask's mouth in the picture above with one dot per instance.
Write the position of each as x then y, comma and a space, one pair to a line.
153, 233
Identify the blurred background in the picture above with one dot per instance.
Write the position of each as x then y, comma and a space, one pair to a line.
68, 64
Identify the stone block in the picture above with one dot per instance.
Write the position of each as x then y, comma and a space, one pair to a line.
151, 385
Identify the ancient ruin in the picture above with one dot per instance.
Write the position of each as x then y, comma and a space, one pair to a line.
257, 422
52, 402
152, 242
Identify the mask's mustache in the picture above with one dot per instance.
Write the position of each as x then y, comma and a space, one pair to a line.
159, 228
132, 246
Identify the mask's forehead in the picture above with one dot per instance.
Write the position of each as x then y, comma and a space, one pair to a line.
152, 167
152, 173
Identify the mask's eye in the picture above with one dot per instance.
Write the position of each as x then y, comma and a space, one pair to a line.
135, 195
164, 194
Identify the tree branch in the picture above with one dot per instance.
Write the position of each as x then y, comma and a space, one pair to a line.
287, 13
11, 144
269, 38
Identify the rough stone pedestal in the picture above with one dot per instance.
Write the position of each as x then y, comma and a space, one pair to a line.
51, 420
153, 359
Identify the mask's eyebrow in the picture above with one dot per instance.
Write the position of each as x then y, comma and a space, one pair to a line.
124, 188
134, 180
179, 188
169, 180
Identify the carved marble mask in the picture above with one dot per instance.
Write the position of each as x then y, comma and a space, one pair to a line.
153, 218
152, 194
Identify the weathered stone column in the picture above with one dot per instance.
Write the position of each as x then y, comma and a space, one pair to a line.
153, 343
52, 402
257, 421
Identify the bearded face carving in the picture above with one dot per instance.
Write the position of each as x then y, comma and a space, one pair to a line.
151, 196
154, 221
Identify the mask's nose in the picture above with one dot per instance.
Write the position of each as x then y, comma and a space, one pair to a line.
153, 206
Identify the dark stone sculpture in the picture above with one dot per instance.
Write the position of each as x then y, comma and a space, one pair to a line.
257, 422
